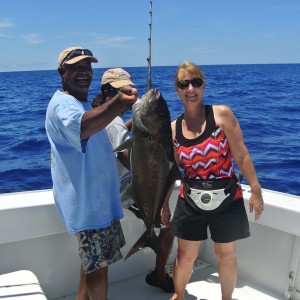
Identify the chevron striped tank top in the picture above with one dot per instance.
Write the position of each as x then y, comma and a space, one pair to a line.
206, 157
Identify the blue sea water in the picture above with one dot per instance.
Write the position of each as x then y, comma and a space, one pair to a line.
264, 98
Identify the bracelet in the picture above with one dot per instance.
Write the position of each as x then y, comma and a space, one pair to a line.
256, 192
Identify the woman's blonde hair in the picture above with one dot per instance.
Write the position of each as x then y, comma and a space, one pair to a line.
189, 68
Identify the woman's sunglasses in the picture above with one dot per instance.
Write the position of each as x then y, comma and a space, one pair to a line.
184, 84
76, 53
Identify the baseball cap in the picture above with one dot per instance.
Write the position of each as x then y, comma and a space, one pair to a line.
73, 55
116, 77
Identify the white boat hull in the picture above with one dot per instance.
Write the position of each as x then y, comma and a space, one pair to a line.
32, 238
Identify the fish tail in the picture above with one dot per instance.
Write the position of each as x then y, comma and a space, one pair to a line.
148, 239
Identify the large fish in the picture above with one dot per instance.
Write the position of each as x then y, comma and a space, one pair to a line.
154, 170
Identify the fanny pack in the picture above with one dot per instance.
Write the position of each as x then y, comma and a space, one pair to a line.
210, 196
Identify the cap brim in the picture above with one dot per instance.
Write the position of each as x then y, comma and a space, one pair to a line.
79, 58
120, 83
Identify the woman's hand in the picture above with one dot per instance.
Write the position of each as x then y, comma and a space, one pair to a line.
165, 216
256, 203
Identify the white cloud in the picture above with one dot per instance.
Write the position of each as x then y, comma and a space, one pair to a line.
6, 23
32, 38
114, 42
204, 50
103, 40
287, 7
269, 34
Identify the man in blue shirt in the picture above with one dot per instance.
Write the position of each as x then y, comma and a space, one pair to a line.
83, 168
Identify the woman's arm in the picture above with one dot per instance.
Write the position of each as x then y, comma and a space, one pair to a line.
226, 120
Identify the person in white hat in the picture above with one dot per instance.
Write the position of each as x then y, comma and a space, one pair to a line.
86, 195
112, 80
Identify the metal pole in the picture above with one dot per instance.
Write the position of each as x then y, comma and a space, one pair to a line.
149, 57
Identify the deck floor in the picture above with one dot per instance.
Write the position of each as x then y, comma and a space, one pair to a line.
203, 285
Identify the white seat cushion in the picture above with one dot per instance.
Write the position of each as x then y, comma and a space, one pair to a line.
20, 285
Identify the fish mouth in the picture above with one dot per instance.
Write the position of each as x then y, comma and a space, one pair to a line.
136, 115
153, 94
140, 107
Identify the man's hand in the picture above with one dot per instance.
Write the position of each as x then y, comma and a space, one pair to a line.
165, 215
127, 95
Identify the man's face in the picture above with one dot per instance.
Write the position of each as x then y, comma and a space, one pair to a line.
110, 92
77, 77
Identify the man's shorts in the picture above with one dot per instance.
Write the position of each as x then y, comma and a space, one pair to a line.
226, 226
99, 248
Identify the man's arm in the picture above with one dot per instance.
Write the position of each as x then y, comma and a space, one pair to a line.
97, 118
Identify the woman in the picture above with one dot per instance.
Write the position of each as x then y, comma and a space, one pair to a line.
206, 138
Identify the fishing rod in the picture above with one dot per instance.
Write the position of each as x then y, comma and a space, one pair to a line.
149, 57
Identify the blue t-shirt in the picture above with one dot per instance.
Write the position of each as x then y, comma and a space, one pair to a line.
84, 173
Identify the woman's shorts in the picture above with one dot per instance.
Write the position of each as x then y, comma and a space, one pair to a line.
226, 226
99, 248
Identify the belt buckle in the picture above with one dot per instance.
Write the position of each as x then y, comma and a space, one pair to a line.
207, 199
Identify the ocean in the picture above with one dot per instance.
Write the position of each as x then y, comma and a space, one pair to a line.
265, 99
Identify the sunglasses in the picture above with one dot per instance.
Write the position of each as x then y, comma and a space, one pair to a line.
184, 84
76, 53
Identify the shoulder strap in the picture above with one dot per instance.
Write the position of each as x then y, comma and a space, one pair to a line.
210, 118
178, 128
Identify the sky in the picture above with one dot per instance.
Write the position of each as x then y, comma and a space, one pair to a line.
211, 32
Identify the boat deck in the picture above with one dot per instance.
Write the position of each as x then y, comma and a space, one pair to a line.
203, 285
269, 263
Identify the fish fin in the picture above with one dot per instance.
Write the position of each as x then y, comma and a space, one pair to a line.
174, 175
148, 239
127, 193
176, 172
127, 197
127, 145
